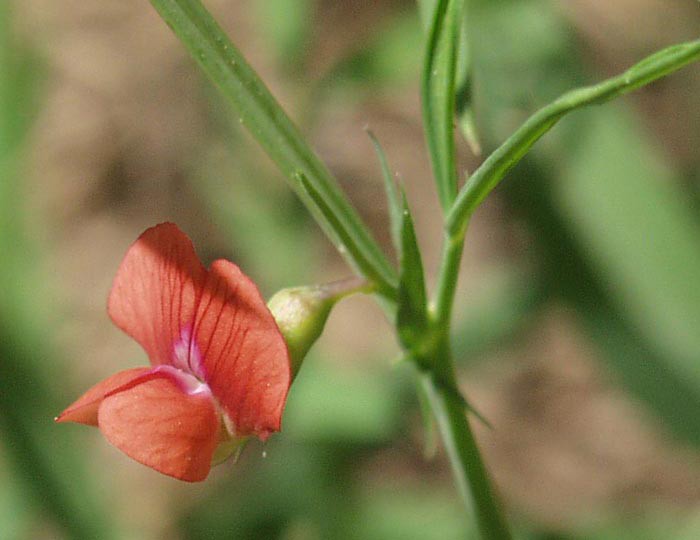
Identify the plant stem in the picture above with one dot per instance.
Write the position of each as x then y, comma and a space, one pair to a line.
441, 308
440, 386
468, 469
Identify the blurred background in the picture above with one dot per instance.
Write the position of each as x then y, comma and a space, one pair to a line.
577, 322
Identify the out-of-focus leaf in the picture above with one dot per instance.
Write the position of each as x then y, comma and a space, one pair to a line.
14, 512
287, 24
51, 473
497, 315
409, 513
579, 280
562, 213
438, 95
653, 525
338, 405
411, 309
385, 59
269, 488
263, 229
639, 233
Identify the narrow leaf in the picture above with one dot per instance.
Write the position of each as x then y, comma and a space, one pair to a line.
438, 95
392, 194
492, 171
463, 82
272, 128
411, 315
346, 244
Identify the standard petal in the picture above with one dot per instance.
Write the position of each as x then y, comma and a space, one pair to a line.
159, 425
243, 356
156, 291
84, 409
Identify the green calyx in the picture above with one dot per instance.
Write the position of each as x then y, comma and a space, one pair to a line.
301, 313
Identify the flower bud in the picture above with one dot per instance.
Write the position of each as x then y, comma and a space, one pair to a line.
301, 313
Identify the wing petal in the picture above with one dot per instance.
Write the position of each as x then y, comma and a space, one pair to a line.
159, 425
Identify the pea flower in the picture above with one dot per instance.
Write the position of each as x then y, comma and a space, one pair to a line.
220, 368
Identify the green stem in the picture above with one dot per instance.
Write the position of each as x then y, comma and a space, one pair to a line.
468, 469
441, 308
440, 385
494, 168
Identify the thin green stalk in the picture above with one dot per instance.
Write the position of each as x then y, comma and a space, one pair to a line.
468, 469
494, 168
438, 95
449, 408
269, 124
441, 307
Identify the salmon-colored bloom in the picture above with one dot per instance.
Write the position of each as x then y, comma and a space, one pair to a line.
220, 368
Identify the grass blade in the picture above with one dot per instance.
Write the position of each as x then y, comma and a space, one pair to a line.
258, 111
346, 243
438, 95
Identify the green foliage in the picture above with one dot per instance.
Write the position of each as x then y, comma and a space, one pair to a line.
464, 108
411, 310
492, 171
288, 25
48, 470
346, 240
438, 93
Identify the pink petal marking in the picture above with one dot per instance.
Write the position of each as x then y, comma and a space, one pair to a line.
186, 381
186, 355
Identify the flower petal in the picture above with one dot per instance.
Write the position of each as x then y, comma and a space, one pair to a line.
156, 290
244, 358
159, 425
84, 409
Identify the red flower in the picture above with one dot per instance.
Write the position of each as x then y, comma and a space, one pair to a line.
220, 368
